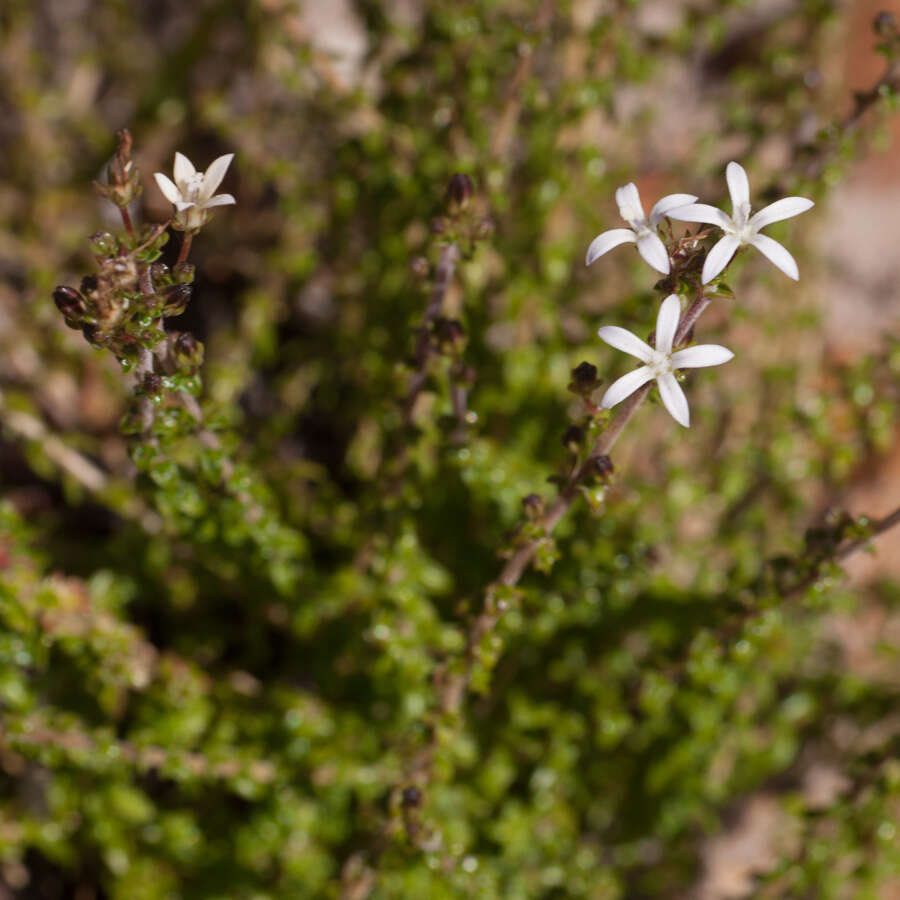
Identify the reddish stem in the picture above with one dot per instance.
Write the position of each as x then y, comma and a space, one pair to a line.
185, 248
126, 221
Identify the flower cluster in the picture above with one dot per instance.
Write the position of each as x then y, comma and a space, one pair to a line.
740, 229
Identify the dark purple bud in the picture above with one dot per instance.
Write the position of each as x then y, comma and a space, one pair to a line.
450, 335
602, 467
411, 796
459, 192
93, 335
89, 284
533, 506
152, 383
584, 379
573, 438
70, 303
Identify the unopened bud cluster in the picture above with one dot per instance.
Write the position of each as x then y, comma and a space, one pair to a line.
123, 178
112, 308
464, 220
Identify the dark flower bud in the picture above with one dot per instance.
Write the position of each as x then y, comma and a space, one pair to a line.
459, 192
584, 379
93, 335
120, 167
573, 438
533, 506
104, 244
411, 796
188, 351
176, 299
450, 335
89, 284
124, 183
152, 383
70, 303
602, 467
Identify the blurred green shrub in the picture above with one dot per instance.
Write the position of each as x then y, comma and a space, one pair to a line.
218, 657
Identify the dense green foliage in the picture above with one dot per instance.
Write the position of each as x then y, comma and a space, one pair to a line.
221, 652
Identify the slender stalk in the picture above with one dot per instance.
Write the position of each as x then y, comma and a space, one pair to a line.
446, 268
878, 528
186, 242
126, 221
452, 694
145, 364
512, 108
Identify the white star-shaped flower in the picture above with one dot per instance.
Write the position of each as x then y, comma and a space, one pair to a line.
192, 191
741, 228
660, 363
641, 230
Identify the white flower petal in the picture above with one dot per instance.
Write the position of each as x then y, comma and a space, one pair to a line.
738, 185
701, 356
780, 210
664, 205
777, 255
651, 247
213, 176
219, 200
624, 340
673, 399
629, 201
625, 386
667, 323
183, 170
701, 212
719, 257
182, 205
605, 242
167, 186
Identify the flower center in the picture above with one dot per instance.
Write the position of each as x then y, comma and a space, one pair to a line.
742, 217
634, 217
660, 363
192, 187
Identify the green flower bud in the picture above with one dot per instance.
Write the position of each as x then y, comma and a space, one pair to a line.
176, 299
187, 352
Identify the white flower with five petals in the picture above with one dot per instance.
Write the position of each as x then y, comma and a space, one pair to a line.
192, 191
660, 363
741, 228
641, 230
